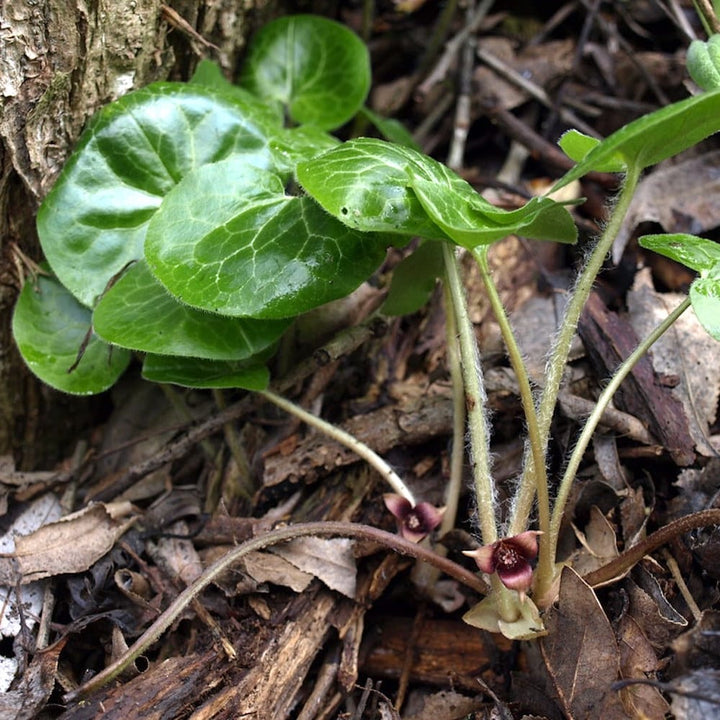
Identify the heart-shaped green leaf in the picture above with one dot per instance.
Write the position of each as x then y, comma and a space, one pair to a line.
135, 151
318, 69
365, 183
654, 137
414, 279
50, 327
705, 299
471, 221
138, 313
195, 373
375, 185
294, 145
703, 256
228, 240
697, 253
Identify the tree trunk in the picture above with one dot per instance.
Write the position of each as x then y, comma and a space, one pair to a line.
59, 63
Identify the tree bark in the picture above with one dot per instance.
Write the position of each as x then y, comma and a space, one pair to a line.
60, 61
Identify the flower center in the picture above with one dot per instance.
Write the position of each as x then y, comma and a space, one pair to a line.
413, 522
507, 556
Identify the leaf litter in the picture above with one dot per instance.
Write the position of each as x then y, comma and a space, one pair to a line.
323, 602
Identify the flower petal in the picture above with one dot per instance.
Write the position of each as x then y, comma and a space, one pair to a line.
397, 505
484, 557
519, 577
430, 516
526, 543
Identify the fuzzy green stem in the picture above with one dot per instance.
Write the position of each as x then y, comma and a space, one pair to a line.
583, 287
346, 439
544, 580
457, 455
525, 496
526, 492
214, 571
475, 401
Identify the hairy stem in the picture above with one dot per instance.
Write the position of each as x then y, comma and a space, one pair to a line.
526, 492
346, 439
457, 456
475, 401
362, 532
583, 287
600, 406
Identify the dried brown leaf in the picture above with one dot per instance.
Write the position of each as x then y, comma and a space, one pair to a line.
69, 545
685, 352
581, 653
639, 660
328, 559
682, 198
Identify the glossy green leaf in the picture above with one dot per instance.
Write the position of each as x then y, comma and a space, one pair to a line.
294, 145
472, 221
93, 222
228, 240
654, 137
318, 69
705, 299
138, 313
391, 129
375, 185
577, 145
191, 372
414, 279
703, 62
208, 74
50, 327
365, 183
694, 252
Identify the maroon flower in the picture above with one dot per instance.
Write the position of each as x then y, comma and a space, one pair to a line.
414, 522
510, 559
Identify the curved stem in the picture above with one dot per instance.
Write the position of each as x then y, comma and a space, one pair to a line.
346, 439
475, 401
623, 562
362, 532
591, 424
526, 492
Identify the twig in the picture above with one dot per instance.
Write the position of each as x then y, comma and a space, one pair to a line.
176, 20
461, 126
534, 90
547, 151
623, 562
452, 48
343, 529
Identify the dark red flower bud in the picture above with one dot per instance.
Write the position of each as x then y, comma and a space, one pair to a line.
414, 522
510, 559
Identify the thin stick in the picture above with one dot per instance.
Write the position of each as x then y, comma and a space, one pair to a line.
623, 562
360, 532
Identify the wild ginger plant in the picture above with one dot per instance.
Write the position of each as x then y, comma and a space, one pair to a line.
195, 221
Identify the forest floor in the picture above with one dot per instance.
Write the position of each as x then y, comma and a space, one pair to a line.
335, 628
